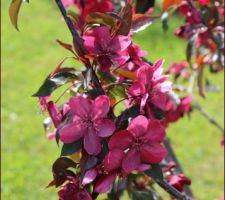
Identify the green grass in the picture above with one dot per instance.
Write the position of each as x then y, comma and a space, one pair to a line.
29, 55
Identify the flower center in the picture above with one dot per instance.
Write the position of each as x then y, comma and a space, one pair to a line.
139, 142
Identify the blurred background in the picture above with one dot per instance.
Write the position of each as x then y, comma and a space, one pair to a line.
30, 55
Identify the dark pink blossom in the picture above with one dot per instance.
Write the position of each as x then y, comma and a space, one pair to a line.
179, 69
72, 191
106, 176
135, 54
107, 49
203, 2
141, 142
151, 86
90, 121
178, 181
173, 113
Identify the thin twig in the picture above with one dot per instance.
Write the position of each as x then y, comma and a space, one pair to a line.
179, 169
171, 190
207, 116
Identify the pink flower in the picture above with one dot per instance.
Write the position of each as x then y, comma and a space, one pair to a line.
179, 69
72, 191
108, 50
96, 6
135, 54
203, 2
173, 113
67, 3
151, 86
90, 121
141, 142
178, 181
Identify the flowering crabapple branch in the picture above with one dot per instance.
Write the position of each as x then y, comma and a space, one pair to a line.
162, 183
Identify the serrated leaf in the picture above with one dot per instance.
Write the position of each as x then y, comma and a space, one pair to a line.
155, 172
69, 149
141, 22
125, 25
14, 9
125, 73
60, 170
101, 18
157, 112
65, 45
51, 83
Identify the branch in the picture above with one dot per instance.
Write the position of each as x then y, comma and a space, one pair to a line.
207, 116
67, 19
172, 154
76, 37
171, 190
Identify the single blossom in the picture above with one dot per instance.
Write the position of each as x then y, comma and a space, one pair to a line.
105, 175
179, 69
141, 142
173, 113
90, 121
72, 191
178, 181
107, 49
150, 87
135, 54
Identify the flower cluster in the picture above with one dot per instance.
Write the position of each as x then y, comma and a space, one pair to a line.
112, 149
108, 146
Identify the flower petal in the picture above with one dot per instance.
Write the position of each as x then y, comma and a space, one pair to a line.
120, 43
103, 37
89, 176
72, 132
92, 142
121, 140
113, 160
104, 183
105, 127
80, 106
156, 132
131, 161
153, 153
104, 63
143, 101
159, 100
101, 107
136, 89
89, 43
138, 126
145, 74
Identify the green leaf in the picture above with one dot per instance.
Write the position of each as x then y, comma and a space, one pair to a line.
142, 195
69, 149
157, 112
155, 172
63, 76
60, 170
14, 9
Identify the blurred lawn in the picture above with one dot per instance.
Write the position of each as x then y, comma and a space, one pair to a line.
28, 56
